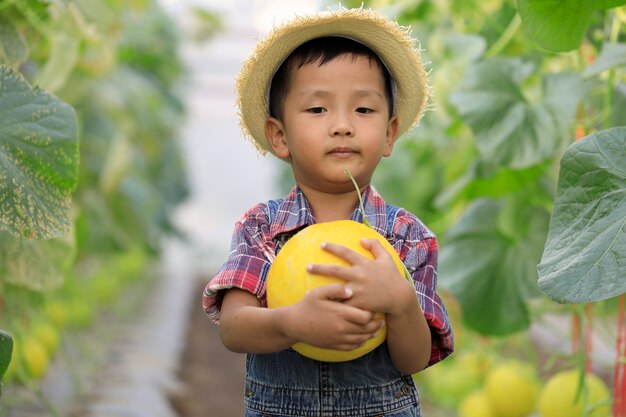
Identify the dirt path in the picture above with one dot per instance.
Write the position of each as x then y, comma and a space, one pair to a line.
212, 376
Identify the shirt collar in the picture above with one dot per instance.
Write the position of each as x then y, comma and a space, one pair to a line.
295, 213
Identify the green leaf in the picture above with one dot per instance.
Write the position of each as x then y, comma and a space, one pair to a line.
6, 349
608, 4
464, 48
584, 259
557, 25
13, 48
485, 179
38, 159
612, 55
619, 106
457, 51
38, 265
562, 93
509, 129
488, 261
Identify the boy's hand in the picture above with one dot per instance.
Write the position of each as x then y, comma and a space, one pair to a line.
321, 319
376, 284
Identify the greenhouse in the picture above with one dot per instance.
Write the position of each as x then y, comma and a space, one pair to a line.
128, 171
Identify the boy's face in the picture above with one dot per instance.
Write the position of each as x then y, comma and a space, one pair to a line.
335, 117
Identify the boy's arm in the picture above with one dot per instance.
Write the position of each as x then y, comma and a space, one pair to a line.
320, 319
242, 317
408, 334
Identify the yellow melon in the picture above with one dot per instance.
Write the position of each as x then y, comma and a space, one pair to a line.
476, 404
560, 396
512, 388
288, 280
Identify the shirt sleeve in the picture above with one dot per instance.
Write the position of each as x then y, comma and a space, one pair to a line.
419, 251
247, 265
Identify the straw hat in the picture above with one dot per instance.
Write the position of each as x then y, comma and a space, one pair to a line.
391, 42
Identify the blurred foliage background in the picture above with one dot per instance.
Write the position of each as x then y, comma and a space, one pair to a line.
519, 162
90, 165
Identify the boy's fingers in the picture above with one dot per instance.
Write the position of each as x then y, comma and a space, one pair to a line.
343, 252
333, 292
355, 315
368, 325
364, 333
355, 342
364, 319
329, 270
374, 246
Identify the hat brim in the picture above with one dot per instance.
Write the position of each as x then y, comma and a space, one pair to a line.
391, 42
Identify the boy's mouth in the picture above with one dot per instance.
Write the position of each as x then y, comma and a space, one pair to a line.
342, 151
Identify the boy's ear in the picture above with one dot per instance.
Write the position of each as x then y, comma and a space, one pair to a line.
391, 136
275, 133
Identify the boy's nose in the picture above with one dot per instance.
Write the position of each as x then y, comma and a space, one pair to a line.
343, 131
342, 127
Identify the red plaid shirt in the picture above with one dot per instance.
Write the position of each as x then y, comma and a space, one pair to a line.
267, 225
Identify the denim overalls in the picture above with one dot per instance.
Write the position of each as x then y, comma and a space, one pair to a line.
286, 383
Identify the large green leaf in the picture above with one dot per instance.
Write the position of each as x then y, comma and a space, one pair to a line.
510, 129
557, 25
13, 48
488, 261
39, 265
413, 161
6, 349
450, 53
38, 159
485, 179
608, 4
585, 254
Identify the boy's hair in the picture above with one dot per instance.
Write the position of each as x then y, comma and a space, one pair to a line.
322, 50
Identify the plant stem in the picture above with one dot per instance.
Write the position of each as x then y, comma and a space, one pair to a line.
619, 379
358, 192
582, 350
612, 28
34, 20
588, 336
506, 37
576, 325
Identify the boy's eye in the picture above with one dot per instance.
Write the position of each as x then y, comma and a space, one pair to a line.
364, 110
316, 110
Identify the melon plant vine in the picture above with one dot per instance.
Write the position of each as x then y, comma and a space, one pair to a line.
515, 84
520, 167
78, 221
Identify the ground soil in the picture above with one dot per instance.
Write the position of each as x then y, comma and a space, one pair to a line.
211, 376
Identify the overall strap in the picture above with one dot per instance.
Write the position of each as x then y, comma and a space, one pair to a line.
272, 208
282, 238
392, 212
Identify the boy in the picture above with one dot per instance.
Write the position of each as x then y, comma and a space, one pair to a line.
329, 93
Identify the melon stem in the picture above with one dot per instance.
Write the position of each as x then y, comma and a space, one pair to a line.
358, 193
407, 275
